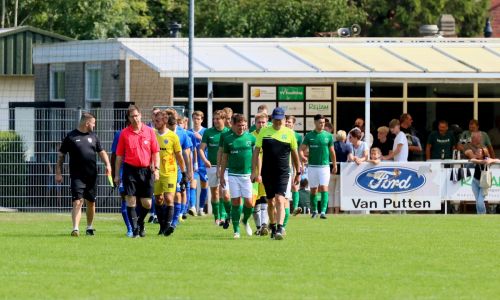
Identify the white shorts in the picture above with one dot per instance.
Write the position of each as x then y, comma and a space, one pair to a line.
213, 180
240, 186
318, 176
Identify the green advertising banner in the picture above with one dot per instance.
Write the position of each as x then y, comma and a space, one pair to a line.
291, 93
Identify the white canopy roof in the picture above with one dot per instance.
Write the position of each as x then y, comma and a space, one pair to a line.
294, 57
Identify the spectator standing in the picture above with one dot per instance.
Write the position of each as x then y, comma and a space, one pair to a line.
342, 151
466, 137
400, 146
414, 145
383, 141
440, 144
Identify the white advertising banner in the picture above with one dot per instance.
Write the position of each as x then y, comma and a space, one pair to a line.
255, 105
292, 108
263, 93
391, 186
318, 93
462, 190
322, 108
310, 123
299, 124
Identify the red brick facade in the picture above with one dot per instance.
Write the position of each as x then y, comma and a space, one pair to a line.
495, 17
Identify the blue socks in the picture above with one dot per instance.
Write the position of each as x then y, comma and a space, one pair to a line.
177, 213
192, 198
125, 215
203, 197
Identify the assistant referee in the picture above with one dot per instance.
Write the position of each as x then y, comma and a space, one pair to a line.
139, 151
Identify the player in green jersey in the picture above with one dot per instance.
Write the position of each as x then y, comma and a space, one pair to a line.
321, 152
210, 141
237, 157
293, 189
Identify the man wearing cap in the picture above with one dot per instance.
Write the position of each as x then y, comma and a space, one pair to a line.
277, 143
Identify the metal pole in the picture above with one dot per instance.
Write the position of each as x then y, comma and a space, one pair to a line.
191, 79
367, 113
15, 13
210, 103
3, 13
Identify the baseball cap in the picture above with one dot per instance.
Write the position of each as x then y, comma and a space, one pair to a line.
278, 114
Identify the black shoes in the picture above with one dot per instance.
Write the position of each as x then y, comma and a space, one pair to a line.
90, 231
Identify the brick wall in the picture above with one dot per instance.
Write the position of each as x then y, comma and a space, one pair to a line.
74, 85
42, 87
147, 88
113, 83
495, 17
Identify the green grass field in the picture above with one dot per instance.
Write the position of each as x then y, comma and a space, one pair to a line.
345, 257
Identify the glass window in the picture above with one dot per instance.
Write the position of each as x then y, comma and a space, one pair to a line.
228, 90
489, 90
93, 82
350, 89
181, 88
440, 90
57, 85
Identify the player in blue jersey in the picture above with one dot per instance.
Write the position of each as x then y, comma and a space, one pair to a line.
180, 197
200, 171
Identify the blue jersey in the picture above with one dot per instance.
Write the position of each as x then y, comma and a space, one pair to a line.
114, 145
201, 165
185, 141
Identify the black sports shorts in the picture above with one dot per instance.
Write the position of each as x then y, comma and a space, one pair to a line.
275, 183
83, 189
138, 182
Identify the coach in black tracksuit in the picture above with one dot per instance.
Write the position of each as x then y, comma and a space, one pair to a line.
82, 144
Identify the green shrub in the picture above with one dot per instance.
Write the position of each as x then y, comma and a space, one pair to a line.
12, 169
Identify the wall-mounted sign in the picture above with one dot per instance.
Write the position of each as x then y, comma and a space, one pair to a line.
299, 124
263, 93
319, 93
310, 122
292, 108
314, 108
254, 105
291, 93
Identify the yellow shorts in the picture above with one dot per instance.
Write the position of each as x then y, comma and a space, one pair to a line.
258, 191
166, 184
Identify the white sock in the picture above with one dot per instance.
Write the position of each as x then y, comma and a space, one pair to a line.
76, 228
256, 215
263, 214
89, 226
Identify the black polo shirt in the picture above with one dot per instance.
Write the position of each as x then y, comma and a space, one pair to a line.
82, 149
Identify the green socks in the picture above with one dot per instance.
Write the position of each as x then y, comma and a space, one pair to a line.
287, 215
295, 199
247, 213
222, 211
235, 216
215, 210
227, 206
324, 202
314, 202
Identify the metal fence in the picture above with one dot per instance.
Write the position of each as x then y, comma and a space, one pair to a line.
29, 143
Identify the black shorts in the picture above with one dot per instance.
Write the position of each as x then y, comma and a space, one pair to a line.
275, 183
138, 182
83, 189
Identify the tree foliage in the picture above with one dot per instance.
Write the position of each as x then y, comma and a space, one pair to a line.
94, 19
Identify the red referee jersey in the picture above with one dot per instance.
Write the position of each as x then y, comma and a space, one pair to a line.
137, 148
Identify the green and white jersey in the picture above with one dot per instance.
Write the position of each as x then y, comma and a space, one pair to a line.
227, 133
319, 144
211, 137
239, 149
298, 137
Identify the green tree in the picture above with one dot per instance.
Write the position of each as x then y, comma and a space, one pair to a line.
404, 17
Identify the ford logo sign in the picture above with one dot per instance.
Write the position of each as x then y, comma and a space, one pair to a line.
387, 180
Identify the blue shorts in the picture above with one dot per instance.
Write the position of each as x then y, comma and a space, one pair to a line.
179, 178
201, 175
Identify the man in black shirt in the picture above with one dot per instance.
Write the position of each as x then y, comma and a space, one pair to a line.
384, 142
82, 145
415, 152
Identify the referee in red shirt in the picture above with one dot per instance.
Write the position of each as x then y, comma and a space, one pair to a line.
139, 151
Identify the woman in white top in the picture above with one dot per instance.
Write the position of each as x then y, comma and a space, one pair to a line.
359, 149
